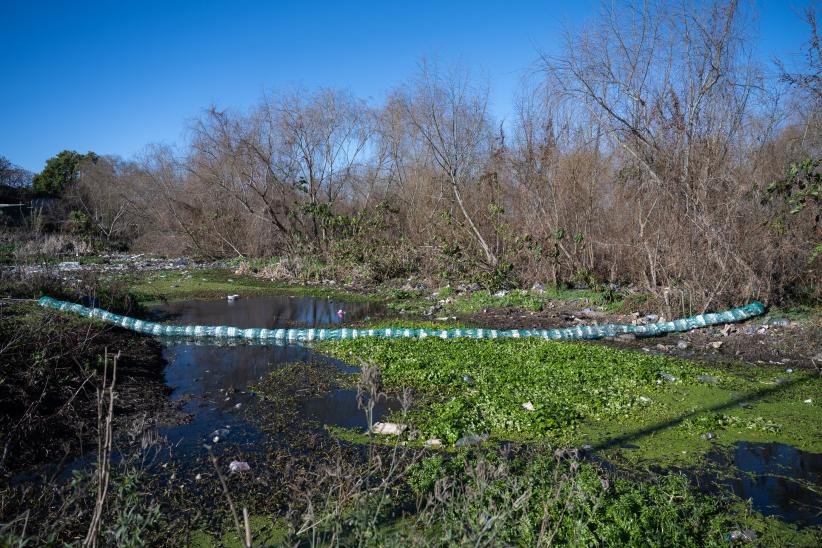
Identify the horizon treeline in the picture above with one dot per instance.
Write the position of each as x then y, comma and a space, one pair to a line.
656, 150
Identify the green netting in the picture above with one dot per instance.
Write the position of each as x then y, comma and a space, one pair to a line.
318, 334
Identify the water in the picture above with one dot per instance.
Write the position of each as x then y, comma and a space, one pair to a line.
210, 381
779, 479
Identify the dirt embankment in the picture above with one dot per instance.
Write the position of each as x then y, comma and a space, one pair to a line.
51, 366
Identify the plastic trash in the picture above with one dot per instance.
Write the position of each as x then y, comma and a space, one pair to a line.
528, 406
237, 466
645, 399
651, 317
470, 439
668, 377
809, 400
341, 313
388, 428
468, 379
707, 378
743, 535
232, 298
708, 436
433, 442
683, 345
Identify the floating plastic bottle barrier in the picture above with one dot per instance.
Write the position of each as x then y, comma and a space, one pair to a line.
582, 332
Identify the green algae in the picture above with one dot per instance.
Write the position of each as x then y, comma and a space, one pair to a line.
582, 393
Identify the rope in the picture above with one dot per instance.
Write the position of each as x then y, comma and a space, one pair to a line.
316, 334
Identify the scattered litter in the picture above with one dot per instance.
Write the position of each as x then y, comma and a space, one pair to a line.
781, 322
651, 318
468, 379
220, 432
667, 376
727, 330
708, 436
198, 477
233, 297
809, 400
433, 442
528, 406
538, 287
645, 399
707, 378
749, 330
789, 370
216, 439
470, 439
237, 406
341, 313
501, 293
716, 345
238, 466
745, 535
388, 428
683, 345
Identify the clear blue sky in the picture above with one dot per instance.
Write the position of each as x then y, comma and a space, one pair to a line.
114, 76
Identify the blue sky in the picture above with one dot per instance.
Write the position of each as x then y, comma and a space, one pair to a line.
114, 76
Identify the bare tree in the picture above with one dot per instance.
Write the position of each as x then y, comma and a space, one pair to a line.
450, 114
103, 192
673, 87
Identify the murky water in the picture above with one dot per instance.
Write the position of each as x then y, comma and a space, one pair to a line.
779, 479
211, 380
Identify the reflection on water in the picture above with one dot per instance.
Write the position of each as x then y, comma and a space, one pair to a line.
264, 312
211, 381
779, 479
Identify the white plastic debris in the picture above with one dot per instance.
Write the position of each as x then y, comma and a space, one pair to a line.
237, 466
433, 442
198, 477
528, 406
716, 345
745, 535
644, 399
216, 439
809, 400
388, 428
233, 297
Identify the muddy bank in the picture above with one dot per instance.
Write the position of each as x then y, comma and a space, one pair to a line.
52, 365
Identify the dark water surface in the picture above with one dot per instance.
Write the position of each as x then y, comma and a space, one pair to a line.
212, 380
779, 479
